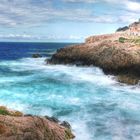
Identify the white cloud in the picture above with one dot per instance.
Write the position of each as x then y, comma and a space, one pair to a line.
18, 36
133, 6
31, 12
74, 37
25, 12
28, 37
77, 1
63, 37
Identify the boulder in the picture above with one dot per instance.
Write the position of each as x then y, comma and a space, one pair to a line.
36, 55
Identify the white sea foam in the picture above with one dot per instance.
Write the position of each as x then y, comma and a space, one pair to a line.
14, 105
92, 74
46, 111
89, 74
80, 128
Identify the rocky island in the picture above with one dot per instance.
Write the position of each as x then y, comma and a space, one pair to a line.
117, 53
14, 125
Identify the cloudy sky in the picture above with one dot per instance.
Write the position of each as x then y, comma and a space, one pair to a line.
63, 20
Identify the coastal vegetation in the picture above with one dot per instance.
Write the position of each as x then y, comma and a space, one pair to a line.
5, 111
122, 39
135, 40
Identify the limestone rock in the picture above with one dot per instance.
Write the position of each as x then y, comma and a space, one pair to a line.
30, 127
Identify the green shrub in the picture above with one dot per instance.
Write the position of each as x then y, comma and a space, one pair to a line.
4, 112
122, 39
137, 41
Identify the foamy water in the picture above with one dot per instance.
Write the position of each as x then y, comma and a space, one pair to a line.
97, 106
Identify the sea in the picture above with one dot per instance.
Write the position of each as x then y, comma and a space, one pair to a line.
96, 105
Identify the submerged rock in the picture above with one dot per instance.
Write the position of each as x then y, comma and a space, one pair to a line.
129, 79
30, 127
36, 55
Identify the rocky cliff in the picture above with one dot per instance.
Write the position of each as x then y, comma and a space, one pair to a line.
117, 53
16, 126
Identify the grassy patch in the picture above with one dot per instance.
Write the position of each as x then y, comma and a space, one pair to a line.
122, 39
3, 111
135, 40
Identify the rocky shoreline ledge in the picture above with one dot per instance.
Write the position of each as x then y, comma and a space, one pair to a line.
117, 54
14, 125
114, 58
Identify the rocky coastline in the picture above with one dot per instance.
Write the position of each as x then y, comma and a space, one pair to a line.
14, 125
117, 54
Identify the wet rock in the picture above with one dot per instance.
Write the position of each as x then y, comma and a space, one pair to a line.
53, 119
27, 115
79, 63
128, 79
36, 55
66, 124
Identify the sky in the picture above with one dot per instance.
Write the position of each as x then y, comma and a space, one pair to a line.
63, 20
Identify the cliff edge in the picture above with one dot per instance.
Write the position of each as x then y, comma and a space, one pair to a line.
117, 53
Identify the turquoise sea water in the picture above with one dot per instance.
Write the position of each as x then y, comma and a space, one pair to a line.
97, 107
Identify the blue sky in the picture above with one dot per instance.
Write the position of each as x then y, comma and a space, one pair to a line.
63, 20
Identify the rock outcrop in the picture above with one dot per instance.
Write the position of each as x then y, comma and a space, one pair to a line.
111, 56
117, 53
28, 127
36, 55
122, 29
132, 30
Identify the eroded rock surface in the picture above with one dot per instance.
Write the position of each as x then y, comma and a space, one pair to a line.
110, 56
13, 127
